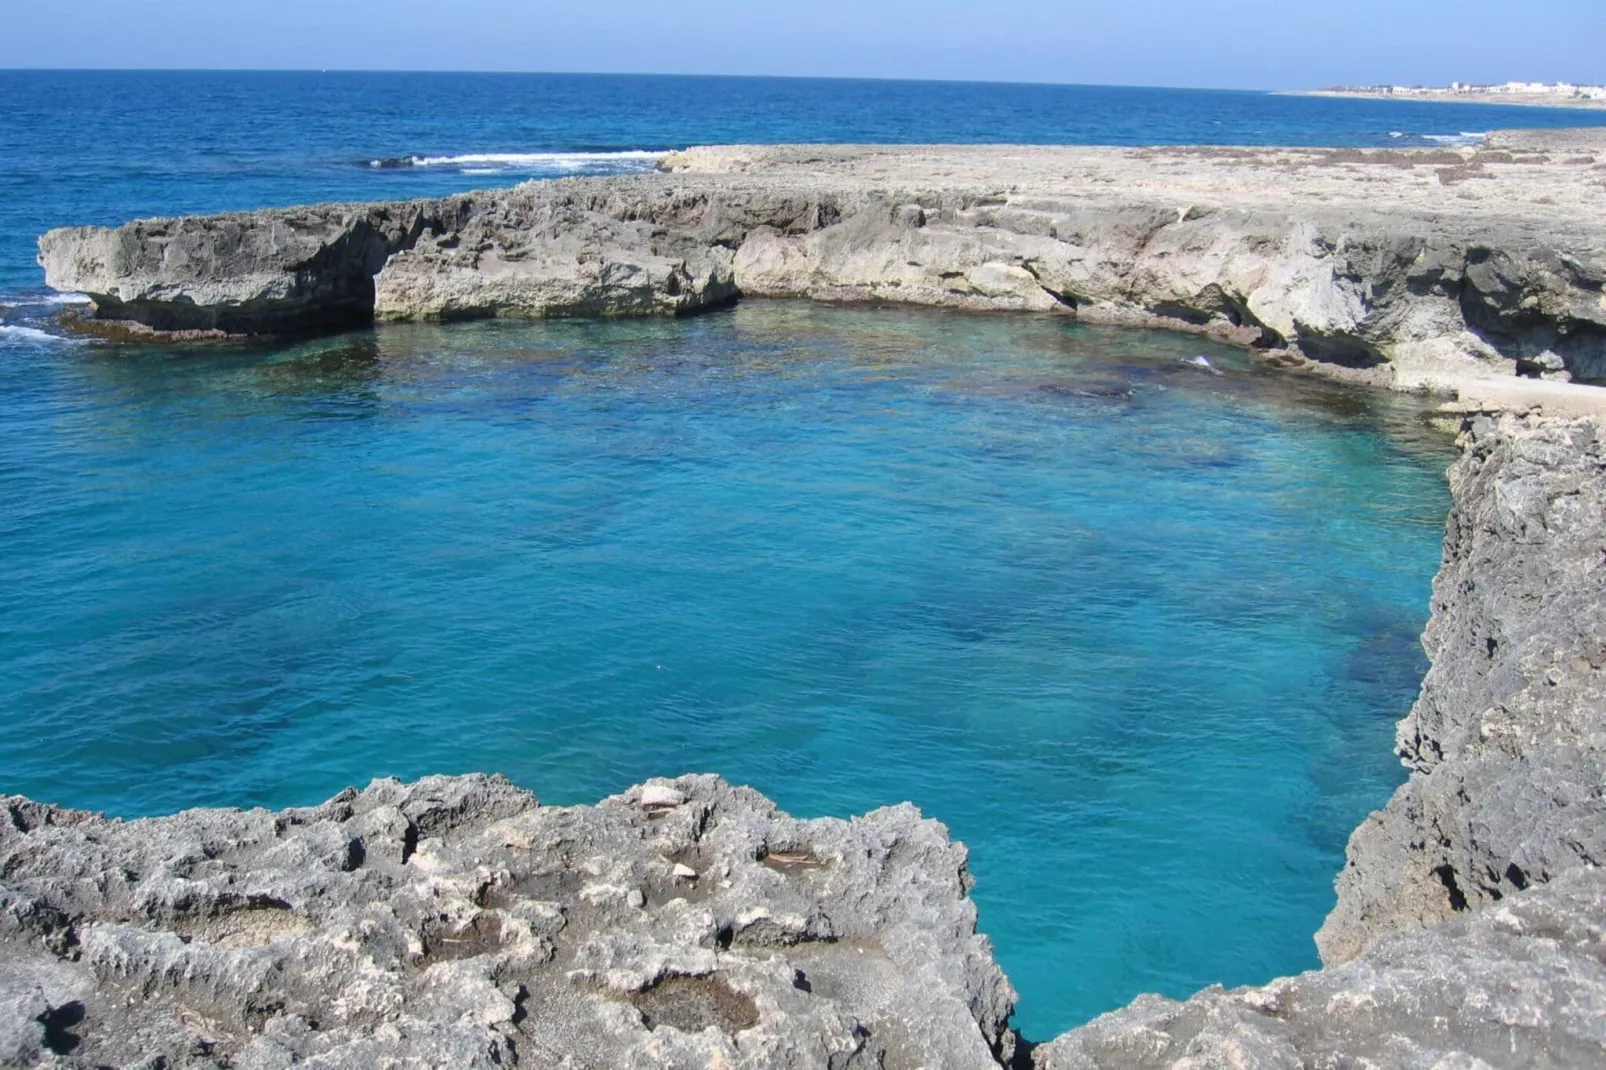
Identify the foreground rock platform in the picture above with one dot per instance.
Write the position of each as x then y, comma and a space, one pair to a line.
458, 923
1412, 268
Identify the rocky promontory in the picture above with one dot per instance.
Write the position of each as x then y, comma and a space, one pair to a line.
456, 922
1403, 267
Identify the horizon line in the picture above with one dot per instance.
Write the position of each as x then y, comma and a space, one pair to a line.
636, 74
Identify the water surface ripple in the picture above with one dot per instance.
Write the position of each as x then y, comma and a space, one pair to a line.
1138, 633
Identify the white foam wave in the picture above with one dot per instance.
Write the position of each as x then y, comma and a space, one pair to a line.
1465, 137
477, 163
17, 333
67, 299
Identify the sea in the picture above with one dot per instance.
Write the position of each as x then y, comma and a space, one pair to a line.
1131, 615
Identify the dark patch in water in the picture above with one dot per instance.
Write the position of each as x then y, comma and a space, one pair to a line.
1097, 393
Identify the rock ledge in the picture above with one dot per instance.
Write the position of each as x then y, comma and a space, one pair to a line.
457, 923
1404, 268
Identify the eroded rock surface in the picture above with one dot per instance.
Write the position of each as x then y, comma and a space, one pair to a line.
1471, 924
1508, 737
1399, 267
456, 923
1521, 984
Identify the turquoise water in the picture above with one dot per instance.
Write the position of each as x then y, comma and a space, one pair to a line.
1137, 632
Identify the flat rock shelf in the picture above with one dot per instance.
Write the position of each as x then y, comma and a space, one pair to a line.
1412, 268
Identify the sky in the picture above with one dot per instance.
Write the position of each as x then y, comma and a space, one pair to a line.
1245, 44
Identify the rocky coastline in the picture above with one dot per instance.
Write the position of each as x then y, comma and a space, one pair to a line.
1414, 268
457, 922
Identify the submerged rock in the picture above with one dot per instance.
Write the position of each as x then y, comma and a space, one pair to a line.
457, 923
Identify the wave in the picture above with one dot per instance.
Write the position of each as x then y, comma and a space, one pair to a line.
1465, 137
11, 332
39, 298
490, 163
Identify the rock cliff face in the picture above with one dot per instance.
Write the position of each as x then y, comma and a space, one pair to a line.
1470, 929
1400, 267
1508, 738
456, 923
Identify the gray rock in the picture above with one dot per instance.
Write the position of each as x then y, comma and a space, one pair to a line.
456, 922
1348, 260
1521, 984
1508, 737
1470, 929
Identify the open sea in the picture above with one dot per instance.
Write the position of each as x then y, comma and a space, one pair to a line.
1136, 630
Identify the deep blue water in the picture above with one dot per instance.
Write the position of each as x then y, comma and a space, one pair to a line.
1137, 632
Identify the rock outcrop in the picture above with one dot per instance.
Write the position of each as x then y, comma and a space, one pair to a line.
1470, 929
1508, 738
1521, 984
457, 923
1400, 267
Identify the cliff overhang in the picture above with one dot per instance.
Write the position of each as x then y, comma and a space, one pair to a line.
1405, 268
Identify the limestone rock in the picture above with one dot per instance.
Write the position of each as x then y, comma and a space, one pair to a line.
1508, 737
456, 922
1352, 260
1521, 984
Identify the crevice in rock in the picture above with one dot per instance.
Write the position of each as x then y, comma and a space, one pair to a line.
791, 860
1177, 310
1452, 889
484, 935
59, 1023
1341, 349
1063, 297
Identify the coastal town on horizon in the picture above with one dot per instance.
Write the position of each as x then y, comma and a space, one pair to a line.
1542, 94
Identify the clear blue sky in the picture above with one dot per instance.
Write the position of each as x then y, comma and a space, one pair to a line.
1227, 43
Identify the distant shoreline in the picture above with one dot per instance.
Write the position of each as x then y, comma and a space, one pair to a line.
1448, 96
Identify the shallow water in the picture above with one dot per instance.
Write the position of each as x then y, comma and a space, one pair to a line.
1137, 632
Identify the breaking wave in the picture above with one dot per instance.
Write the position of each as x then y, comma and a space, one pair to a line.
1463, 138
547, 163
1466, 138
11, 333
